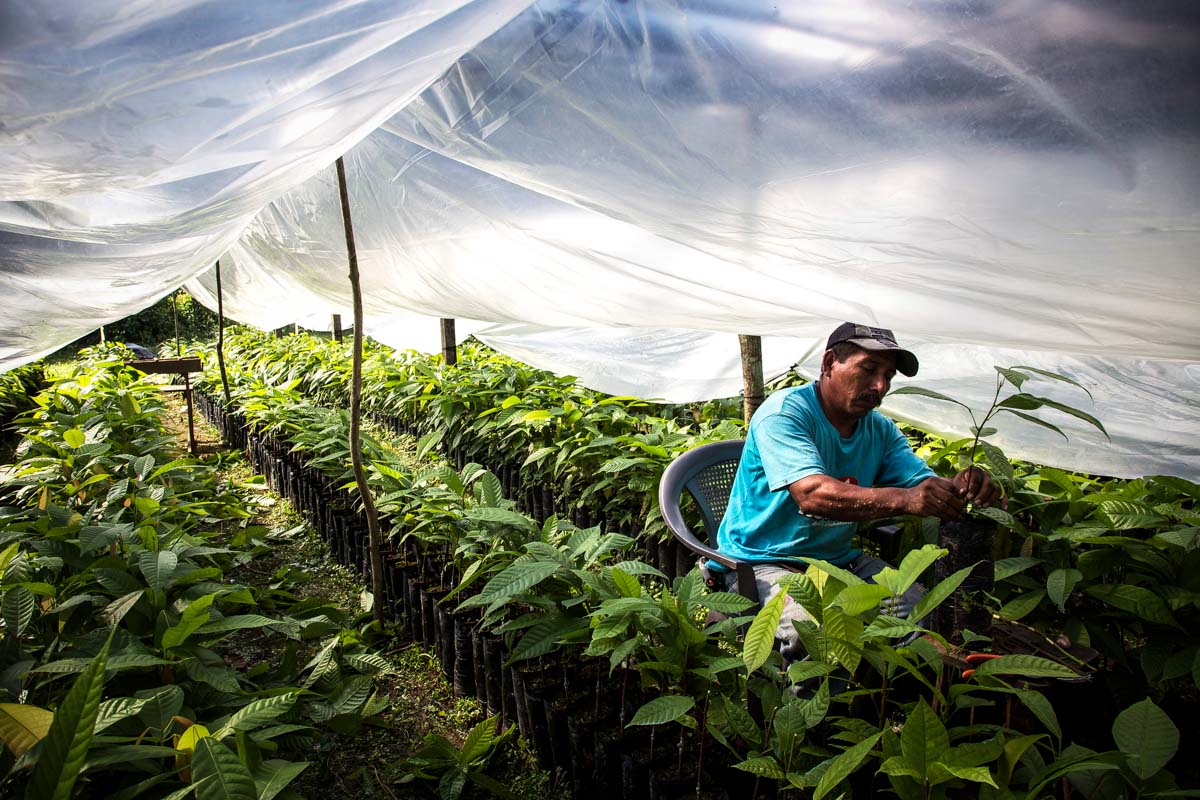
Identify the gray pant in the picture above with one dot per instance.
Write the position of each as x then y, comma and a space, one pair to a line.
767, 577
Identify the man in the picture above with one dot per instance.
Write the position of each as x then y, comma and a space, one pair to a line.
820, 458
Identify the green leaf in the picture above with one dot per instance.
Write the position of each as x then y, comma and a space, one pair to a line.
538, 455
1147, 736
501, 516
855, 600
543, 637
517, 578
1055, 376
429, 441
760, 639
1134, 599
1036, 421
257, 713
763, 766
915, 563
1022, 605
727, 602
891, 627
923, 740
219, 773
64, 749
938, 594
157, 567
801, 671
627, 585
74, 437
17, 607
23, 726
922, 392
1001, 466
841, 766
161, 705
660, 710
1060, 583
842, 632
273, 776
1013, 377
115, 611
975, 774
113, 711
192, 619
1007, 567
480, 739
1025, 666
238, 622
1125, 515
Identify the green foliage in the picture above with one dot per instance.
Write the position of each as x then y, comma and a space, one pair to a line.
109, 535
154, 326
1112, 564
450, 769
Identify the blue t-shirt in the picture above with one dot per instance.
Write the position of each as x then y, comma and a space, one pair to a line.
791, 438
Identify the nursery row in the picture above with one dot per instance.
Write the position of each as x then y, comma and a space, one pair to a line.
482, 569
126, 666
1111, 564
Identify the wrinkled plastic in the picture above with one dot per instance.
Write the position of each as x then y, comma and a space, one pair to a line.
1014, 177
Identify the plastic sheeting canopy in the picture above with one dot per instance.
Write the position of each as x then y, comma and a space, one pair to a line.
615, 189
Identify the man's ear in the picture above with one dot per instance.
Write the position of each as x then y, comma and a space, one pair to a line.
827, 362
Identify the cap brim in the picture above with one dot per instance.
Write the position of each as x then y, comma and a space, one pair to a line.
906, 362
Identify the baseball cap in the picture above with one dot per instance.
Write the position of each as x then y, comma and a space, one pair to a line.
869, 338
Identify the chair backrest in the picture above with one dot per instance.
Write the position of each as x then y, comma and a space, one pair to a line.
706, 473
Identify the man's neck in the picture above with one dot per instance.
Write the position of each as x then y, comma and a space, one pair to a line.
842, 424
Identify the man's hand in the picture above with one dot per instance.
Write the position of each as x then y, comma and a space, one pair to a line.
977, 487
936, 497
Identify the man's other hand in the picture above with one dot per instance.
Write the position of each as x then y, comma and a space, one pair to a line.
936, 497
977, 487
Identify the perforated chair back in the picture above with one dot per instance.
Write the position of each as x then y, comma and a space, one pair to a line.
706, 473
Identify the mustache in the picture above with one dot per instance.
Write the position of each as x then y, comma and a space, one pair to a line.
870, 397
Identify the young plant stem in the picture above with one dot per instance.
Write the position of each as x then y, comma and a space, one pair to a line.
374, 535
980, 426
221, 339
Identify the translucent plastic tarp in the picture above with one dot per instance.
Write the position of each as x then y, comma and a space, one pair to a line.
1013, 176
1146, 407
137, 140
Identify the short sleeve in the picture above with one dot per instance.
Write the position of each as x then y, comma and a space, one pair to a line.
787, 449
900, 466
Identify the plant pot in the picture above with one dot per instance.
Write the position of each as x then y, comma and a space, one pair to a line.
531, 697
481, 682
969, 542
445, 637
463, 678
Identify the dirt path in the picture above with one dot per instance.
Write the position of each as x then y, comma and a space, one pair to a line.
369, 763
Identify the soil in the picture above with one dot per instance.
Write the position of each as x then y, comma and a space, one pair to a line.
370, 763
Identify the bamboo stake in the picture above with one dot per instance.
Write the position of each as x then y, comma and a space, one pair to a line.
752, 374
374, 537
221, 338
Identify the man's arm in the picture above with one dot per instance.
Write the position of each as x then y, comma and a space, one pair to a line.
823, 496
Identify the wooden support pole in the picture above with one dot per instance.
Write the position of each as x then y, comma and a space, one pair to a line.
221, 338
449, 345
175, 316
374, 536
337, 327
752, 374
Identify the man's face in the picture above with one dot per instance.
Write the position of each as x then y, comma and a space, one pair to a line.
857, 385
